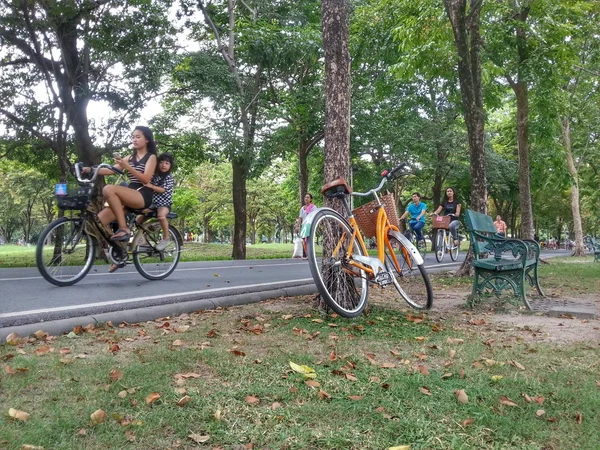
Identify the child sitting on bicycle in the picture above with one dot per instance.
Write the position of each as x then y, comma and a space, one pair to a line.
416, 209
162, 184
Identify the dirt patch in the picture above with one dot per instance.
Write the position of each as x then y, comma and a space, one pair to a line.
499, 319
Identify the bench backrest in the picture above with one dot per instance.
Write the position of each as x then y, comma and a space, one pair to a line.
482, 224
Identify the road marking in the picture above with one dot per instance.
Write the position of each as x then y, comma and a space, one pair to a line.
176, 270
141, 299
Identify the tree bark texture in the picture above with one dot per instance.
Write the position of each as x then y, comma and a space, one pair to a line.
579, 249
519, 87
467, 39
240, 175
335, 28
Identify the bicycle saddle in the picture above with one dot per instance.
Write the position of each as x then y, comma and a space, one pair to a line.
336, 188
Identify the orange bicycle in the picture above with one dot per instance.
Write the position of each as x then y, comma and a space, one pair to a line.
341, 265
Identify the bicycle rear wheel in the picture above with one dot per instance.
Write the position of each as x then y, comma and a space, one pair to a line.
409, 278
439, 245
149, 262
342, 286
421, 246
65, 252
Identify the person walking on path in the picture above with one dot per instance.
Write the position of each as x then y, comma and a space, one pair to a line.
416, 209
305, 210
500, 226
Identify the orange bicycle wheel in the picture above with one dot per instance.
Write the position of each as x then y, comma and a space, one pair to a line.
342, 285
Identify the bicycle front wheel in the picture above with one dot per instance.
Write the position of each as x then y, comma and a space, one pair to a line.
409, 278
439, 245
65, 252
454, 249
342, 286
150, 262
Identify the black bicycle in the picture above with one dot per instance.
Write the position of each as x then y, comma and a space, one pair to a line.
67, 247
411, 235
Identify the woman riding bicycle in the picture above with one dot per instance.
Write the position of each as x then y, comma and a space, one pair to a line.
416, 209
140, 167
451, 207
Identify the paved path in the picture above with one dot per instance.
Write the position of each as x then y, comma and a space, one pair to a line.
27, 300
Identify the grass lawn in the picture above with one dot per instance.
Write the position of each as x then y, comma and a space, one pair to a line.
223, 380
19, 256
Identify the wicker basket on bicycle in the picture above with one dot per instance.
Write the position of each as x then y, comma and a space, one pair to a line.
366, 215
76, 199
441, 222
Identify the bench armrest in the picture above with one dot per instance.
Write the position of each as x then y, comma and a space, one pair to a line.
533, 249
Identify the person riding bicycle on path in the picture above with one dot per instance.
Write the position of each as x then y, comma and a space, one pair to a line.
451, 207
416, 209
162, 184
305, 210
140, 167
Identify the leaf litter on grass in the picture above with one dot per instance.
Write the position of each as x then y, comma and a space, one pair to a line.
364, 351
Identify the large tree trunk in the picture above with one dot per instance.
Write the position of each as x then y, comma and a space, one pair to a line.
566, 131
335, 24
520, 89
467, 39
240, 175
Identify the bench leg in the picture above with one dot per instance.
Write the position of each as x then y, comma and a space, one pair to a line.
496, 282
534, 280
474, 298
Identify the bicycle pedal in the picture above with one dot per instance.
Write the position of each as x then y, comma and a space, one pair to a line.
383, 279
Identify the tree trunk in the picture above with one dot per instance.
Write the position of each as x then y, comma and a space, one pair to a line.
519, 87
306, 145
335, 28
467, 39
579, 249
240, 174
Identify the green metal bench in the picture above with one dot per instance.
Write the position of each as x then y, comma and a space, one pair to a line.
501, 263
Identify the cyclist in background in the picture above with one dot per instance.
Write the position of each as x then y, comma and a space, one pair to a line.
451, 207
416, 209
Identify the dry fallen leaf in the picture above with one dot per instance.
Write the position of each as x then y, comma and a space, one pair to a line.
19, 415
579, 418
351, 377
12, 339
540, 412
461, 396
98, 416
356, 397
312, 383
130, 435
197, 438
40, 335
252, 400
425, 390
275, 405
452, 353
177, 343
43, 350
507, 401
183, 400
517, 365
468, 421
455, 341
115, 375
152, 397
31, 447
422, 369
324, 395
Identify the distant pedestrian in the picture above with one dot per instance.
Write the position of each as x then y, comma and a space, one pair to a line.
500, 226
304, 212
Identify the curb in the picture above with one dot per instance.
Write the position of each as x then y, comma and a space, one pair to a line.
143, 314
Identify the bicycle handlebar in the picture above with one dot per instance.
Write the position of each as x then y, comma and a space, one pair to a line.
95, 171
386, 176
